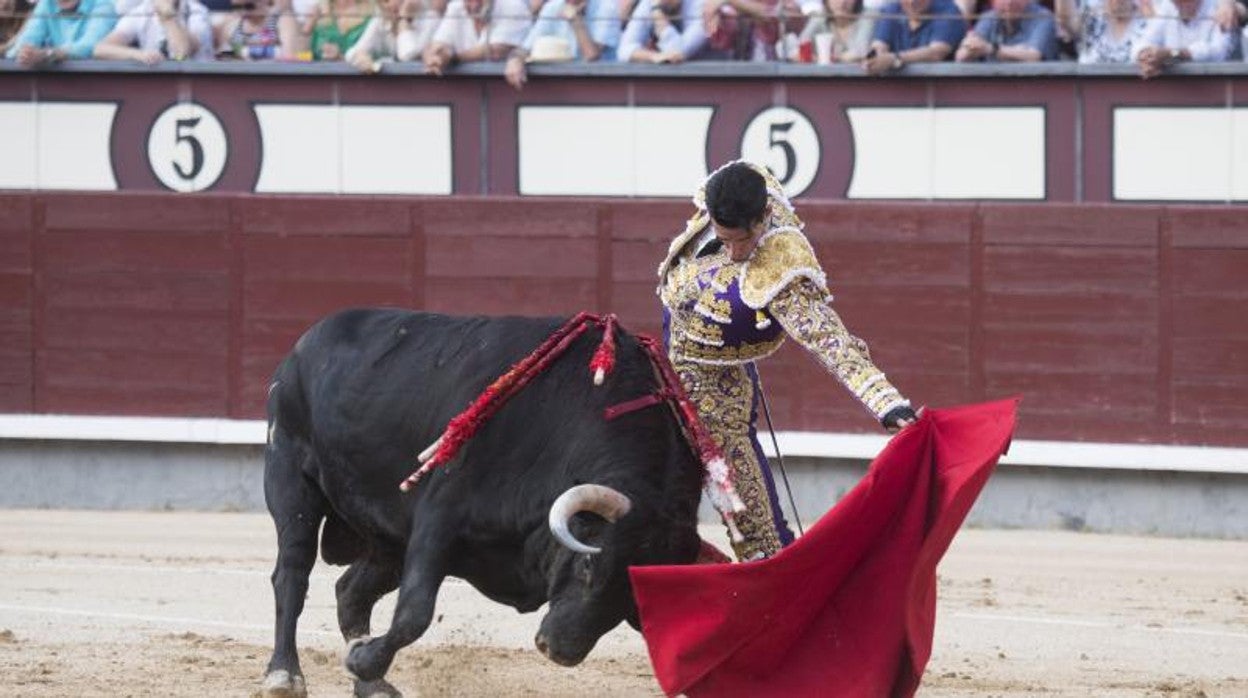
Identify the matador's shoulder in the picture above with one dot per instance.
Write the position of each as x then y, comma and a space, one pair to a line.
782, 256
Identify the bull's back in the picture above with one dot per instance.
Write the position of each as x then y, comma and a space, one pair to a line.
377, 381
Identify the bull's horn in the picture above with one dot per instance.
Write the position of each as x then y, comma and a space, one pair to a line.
602, 500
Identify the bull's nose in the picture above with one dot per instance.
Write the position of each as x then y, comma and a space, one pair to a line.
542, 645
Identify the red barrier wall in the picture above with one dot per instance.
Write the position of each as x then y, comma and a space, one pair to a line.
1117, 323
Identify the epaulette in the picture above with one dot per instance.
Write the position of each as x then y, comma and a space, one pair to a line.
782, 256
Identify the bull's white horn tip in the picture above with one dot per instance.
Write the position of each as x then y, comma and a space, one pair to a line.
599, 376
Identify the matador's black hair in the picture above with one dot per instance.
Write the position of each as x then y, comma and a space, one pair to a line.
736, 196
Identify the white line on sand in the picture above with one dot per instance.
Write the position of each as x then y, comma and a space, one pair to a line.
1095, 624
177, 620
143, 618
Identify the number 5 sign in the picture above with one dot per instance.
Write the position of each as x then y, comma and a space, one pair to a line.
785, 141
187, 147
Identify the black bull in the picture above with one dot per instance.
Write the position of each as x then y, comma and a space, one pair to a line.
364, 391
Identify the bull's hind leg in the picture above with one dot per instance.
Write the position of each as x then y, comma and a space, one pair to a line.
424, 568
358, 590
297, 506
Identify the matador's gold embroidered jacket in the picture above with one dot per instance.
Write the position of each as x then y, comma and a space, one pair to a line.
722, 312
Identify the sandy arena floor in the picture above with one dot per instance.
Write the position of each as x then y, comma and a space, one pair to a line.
179, 604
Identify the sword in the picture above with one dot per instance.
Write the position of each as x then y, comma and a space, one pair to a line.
762, 397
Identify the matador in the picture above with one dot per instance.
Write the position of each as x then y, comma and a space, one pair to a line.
739, 279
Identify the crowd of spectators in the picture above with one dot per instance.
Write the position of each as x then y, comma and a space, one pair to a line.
881, 36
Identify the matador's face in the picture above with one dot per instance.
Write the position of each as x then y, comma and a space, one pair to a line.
739, 242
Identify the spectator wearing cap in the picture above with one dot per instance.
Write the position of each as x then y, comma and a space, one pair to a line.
1015, 31
61, 29
667, 31
914, 31
1182, 31
156, 30
477, 30
584, 30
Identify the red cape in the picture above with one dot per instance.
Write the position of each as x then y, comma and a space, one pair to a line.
847, 610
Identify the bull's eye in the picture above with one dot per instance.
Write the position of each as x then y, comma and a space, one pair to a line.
585, 568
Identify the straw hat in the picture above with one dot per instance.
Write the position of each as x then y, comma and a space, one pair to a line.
550, 49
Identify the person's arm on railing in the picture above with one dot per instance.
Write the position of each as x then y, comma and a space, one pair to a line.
360, 55
416, 29
27, 45
119, 45
179, 42
1039, 44
98, 26
573, 12
693, 36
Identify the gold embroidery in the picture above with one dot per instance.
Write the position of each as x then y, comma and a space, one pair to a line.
802, 312
717, 309
781, 257
702, 332
724, 397
691, 350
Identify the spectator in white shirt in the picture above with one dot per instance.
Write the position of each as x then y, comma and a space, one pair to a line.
158, 29
1182, 30
477, 30
400, 31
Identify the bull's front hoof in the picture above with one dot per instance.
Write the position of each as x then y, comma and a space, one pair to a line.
376, 689
366, 660
282, 684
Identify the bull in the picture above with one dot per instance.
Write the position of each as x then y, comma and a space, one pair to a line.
549, 503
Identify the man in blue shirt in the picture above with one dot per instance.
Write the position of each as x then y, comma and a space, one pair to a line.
914, 31
60, 29
1013, 30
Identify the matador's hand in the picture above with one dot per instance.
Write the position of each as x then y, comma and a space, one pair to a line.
899, 418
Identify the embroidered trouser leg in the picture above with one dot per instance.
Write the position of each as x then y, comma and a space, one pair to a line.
727, 402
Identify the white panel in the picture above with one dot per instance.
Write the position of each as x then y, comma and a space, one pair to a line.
17, 145
74, 150
612, 151
575, 150
1173, 154
1239, 154
56, 145
995, 153
299, 149
892, 153
396, 150
948, 153
670, 150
